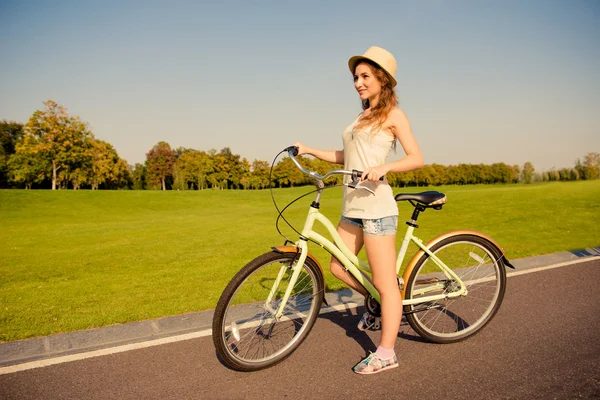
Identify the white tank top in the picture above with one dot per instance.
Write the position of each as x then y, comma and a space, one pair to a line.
362, 149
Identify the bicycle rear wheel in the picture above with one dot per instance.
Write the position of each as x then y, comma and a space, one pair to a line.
246, 334
480, 265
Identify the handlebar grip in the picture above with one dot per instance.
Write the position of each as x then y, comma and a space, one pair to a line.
293, 150
357, 174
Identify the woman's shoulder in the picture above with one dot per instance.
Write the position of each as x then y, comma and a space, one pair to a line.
396, 120
394, 116
396, 112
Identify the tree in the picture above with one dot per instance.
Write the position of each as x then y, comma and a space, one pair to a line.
159, 163
191, 169
451, 175
179, 183
579, 168
61, 139
10, 133
121, 178
574, 174
516, 173
243, 173
259, 172
138, 175
527, 172
105, 165
204, 165
545, 176
25, 165
591, 165
285, 173
77, 176
77, 171
101, 162
231, 168
220, 175
501, 173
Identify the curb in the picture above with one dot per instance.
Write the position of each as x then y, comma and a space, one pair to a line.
63, 344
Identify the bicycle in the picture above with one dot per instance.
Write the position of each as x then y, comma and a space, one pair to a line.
454, 285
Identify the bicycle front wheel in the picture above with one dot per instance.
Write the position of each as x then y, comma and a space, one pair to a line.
480, 266
246, 333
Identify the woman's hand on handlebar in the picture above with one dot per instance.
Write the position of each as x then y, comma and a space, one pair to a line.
373, 174
302, 149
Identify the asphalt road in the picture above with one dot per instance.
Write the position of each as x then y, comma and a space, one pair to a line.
544, 343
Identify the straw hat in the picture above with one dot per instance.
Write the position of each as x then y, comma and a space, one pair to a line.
379, 56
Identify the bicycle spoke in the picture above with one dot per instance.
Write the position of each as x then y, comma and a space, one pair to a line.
458, 317
261, 336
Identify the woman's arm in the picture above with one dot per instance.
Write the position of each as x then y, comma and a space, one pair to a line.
332, 156
401, 129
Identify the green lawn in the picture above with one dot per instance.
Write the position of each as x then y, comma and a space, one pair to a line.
79, 259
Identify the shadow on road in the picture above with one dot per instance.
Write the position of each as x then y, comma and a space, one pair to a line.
590, 251
347, 319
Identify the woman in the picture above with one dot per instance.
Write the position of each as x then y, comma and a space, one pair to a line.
367, 219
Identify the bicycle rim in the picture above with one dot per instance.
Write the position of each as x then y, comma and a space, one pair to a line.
480, 268
253, 338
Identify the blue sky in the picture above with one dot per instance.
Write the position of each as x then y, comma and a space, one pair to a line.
481, 81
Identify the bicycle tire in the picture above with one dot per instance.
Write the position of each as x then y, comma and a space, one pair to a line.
241, 318
480, 265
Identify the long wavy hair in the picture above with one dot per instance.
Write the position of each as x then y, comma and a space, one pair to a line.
387, 100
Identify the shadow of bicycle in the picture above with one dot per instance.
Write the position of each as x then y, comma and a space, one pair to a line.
348, 318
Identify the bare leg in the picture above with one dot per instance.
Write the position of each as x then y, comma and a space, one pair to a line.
352, 236
381, 252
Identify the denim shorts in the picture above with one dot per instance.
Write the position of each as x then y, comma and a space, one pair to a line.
375, 227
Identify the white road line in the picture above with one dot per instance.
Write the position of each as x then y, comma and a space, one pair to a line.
103, 352
537, 269
134, 346
207, 332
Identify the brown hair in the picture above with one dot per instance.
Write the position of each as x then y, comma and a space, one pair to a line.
387, 99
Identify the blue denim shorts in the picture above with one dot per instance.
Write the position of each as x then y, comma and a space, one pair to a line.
375, 227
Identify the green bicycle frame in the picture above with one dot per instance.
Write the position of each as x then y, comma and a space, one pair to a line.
354, 265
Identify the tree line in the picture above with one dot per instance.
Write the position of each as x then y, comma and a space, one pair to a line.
58, 151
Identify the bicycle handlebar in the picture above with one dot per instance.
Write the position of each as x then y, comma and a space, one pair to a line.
355, 174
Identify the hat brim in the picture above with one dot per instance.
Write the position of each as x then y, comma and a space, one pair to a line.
354, 61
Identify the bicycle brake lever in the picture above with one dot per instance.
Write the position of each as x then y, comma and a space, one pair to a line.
366, 188
356, 185
355, 181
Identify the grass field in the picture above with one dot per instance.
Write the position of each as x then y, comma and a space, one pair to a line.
79, 259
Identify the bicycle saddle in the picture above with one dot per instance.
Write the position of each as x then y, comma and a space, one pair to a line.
429, 199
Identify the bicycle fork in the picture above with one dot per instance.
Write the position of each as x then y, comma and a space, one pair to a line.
296, 269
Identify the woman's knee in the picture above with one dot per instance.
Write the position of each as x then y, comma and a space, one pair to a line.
386, 285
